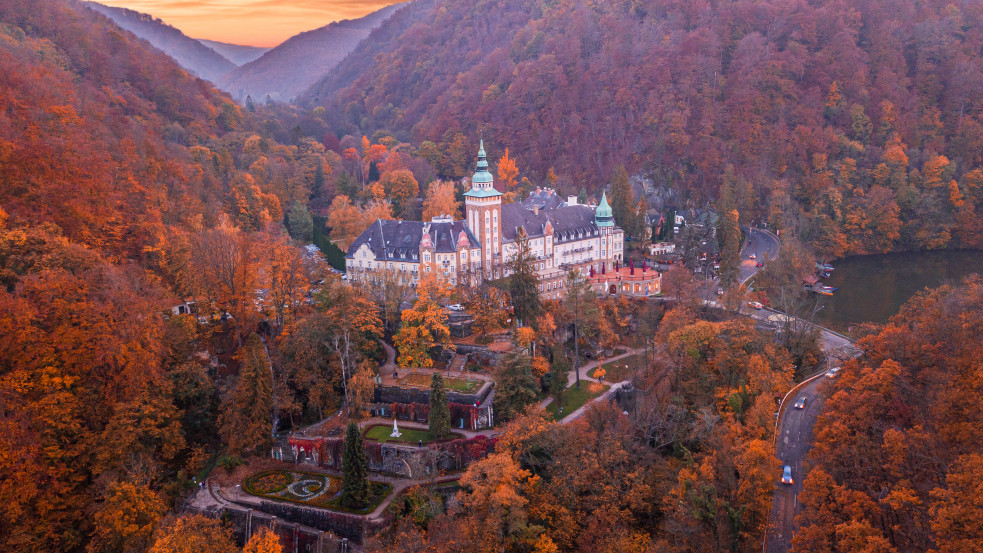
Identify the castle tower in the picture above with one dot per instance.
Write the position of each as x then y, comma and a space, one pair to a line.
604, 218
483, 205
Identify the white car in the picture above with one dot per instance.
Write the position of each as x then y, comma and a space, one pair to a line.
755, 304
833, 372
752, 256
455, 307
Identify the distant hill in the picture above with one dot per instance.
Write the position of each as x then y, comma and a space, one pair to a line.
292, 67
859, 123
192, 55
236, 53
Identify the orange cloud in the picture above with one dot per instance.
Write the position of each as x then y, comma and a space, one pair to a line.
250, 22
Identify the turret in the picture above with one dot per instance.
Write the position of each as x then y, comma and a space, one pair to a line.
604, 216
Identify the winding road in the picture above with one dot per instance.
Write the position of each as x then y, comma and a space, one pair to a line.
795, 426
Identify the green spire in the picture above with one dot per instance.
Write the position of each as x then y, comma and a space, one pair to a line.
482, 183
604, 216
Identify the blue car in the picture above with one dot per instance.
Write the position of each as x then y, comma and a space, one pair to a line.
787, 475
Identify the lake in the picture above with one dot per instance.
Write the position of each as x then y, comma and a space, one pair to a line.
872, 288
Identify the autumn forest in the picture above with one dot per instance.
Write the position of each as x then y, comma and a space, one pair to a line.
185, 365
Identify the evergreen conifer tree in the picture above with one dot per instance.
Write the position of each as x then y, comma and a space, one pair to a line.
622, 197
558, 375
440, 413
730, 255
516, 387
355, 470
523, 282
245, 422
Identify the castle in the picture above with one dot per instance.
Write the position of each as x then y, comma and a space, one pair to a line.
561, 234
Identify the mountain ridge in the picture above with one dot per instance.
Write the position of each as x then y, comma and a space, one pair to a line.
238, 54
190, 54
292, 67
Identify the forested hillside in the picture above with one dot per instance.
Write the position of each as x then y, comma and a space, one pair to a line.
235, 53
897, 462
191, 54
854, 123
290, 68
125, 186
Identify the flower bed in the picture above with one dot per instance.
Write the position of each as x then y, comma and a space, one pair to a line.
309, 488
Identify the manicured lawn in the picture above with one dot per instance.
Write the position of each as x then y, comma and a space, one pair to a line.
381, 433
574, 398
310, 489
418, 380
616, 371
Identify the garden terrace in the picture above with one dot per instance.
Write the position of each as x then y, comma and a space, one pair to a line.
420, 380
310, 489
414, 387
382, 433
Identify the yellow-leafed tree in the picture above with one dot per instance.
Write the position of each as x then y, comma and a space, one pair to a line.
424, 325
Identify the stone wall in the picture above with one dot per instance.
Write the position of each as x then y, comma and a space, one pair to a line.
293, 536
463, 416
411, 461
402, 394
479, 354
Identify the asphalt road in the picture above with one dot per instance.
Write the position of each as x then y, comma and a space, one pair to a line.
793, 443
794, 440
763, 245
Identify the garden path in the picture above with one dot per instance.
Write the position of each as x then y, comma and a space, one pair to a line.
583, 370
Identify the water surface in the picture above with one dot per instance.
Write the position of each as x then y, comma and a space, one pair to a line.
872, 288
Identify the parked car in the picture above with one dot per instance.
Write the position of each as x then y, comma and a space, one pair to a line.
801, 402
833, 372
787, 475
720, 291
455, 307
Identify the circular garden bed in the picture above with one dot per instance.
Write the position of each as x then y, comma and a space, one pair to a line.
309, 488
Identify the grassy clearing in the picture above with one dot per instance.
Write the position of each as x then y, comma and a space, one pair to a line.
419, 380
616, 371
381, 433
574, 398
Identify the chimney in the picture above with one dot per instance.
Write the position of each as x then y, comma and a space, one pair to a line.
571, 200
538, 190
535, 209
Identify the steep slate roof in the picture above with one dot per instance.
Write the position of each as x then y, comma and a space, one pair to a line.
400, 240
446, 235
544, 198
564, 220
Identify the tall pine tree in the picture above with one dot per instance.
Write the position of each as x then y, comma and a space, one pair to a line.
440, 413
558, 375
355, 470
245, 422
516, 387
523, 282
622, 197
730, 254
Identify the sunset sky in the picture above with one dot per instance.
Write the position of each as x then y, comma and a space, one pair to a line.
250, 22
